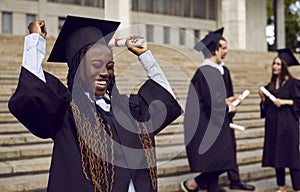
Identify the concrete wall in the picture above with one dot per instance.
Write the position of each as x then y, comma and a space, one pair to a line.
244, 20
256, 17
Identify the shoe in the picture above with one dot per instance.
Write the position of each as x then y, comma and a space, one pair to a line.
185, 188
221, 189
241, 186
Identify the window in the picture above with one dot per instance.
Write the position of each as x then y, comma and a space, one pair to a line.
6, 22
182, 36
204, 9
135, 5
200, 9
212, 7
187, 6
177, 4
146, 6
163, 7
149, 33
166, 35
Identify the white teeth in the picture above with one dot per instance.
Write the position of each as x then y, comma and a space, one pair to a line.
101, 82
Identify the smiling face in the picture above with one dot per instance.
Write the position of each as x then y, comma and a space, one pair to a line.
97, 68
276, 66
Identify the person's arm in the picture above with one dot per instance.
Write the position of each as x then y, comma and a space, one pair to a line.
33, 54
150, 65
154, 72
35, 49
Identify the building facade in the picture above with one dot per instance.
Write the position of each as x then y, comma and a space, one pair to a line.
172, 22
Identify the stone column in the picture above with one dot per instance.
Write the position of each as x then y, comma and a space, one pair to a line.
189, 38
119, 10
174, 36
234, 21
279, 24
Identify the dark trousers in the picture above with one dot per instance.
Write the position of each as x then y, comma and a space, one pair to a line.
210, 179
295, 176
233, 174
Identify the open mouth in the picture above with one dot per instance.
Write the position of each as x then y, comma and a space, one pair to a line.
101, 84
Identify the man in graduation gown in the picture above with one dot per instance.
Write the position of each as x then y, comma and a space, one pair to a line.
233, 174
206, 124
100, 143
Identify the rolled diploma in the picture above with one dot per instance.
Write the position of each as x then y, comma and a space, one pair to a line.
241, 98
121, 42
268, 94
236, 127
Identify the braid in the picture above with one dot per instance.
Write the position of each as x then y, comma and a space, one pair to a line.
149, 152
94, 136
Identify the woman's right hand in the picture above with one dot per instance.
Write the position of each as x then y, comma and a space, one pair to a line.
38, 27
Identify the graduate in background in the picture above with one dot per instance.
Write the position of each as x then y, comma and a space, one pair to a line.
206, 122
281, 144
103, 141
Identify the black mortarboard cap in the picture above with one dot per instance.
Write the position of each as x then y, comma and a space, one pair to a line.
208, 44
78, 32
219, 31
287, 55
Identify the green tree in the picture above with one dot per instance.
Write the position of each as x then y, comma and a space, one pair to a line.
292, 22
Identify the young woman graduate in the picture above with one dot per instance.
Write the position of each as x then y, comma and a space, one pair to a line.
103, 141
281, 144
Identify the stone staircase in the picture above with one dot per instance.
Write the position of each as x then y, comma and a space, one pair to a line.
25, 159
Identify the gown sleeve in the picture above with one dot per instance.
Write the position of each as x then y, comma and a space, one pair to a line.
155, 104
39, 106
264, 105
296, 97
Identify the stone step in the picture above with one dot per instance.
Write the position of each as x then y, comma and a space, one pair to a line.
25, 151
165, 167
24, 183
251, 123
7, 118
166, 152
21, 139
25, 166
181, 166
178, 139
12, 128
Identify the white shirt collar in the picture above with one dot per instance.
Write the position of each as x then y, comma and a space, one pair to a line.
214, 65
100, 102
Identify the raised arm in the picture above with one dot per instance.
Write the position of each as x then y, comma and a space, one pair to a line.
35, 48
150, 65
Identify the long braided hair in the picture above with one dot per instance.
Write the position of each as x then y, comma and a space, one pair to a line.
95, 137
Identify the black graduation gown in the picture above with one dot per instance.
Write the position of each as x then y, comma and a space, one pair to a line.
206, 124
229, 90
44, 108
281, 144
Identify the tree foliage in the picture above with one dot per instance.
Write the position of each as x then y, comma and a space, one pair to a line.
292, 23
